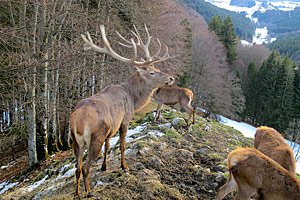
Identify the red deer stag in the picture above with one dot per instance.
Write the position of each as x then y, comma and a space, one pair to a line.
96, 119
172, 96
253, 172
272, 144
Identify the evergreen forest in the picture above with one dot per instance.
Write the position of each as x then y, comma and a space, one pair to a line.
278, 21
288, 44
244, 28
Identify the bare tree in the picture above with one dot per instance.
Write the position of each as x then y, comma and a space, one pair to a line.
292, 133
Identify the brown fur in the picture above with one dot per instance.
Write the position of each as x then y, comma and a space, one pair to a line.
96, 119
172, 96
253, 172
271, 143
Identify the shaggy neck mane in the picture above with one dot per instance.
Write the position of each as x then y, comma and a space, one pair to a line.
138, 90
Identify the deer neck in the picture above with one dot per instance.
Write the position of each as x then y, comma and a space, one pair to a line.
139, 91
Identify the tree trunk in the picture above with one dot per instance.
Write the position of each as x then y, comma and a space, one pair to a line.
32, 110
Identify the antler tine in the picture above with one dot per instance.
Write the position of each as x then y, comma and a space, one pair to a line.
137, 35
134, 50
128, 42
158, 51
148, 37
107, 49
164, 57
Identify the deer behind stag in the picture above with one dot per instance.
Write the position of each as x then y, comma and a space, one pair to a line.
172, 96
253, 173
96, 119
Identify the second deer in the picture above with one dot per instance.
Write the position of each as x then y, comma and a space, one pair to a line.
252, 173
172, 96
269, 142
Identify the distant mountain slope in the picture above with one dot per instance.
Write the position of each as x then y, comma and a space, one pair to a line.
278, 21
244, 27
288, 44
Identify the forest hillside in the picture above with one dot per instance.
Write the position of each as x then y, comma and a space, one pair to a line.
46, 71
167, 160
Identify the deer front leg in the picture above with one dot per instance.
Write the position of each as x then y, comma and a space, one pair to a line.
229, 186
123, 132
107, 145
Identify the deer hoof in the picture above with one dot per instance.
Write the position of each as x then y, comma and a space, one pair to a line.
89, 195
103, 168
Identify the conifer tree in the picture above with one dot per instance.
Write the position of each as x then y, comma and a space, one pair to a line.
252, 87
267, 89
283, 110
228, 37
238, 98
296, 99
215, 24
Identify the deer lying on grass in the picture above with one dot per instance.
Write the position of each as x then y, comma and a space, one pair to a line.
271, 143
172, 96
96, 119
253, 172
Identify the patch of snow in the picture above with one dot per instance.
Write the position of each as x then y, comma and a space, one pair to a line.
114, 140
167, 125
6, 186
156, 133
64, 167
245, 43
99, 183
35, 185
70, 172
261, 36
8, 165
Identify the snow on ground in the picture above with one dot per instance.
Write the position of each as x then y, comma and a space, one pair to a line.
6, 186
114, 140
261, 36
249, 131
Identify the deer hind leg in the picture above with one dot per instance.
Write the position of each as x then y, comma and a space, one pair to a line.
107, 145
230, 186
123, 132
78, 150
158, 111
96, 143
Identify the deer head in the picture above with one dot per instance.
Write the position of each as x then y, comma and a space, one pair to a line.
145, 67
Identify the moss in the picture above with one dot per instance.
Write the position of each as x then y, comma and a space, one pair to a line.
152, 127
165, 129
172, 134
140, 144
298, 176
215, 155
197, 129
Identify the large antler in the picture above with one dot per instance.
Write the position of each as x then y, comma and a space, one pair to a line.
107, 49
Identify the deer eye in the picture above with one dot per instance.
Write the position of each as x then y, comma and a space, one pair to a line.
152, 73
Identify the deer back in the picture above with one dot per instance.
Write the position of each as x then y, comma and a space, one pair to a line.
253, 169
172, 95
271, 143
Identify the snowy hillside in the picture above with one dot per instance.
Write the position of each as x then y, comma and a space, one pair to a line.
261, 34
